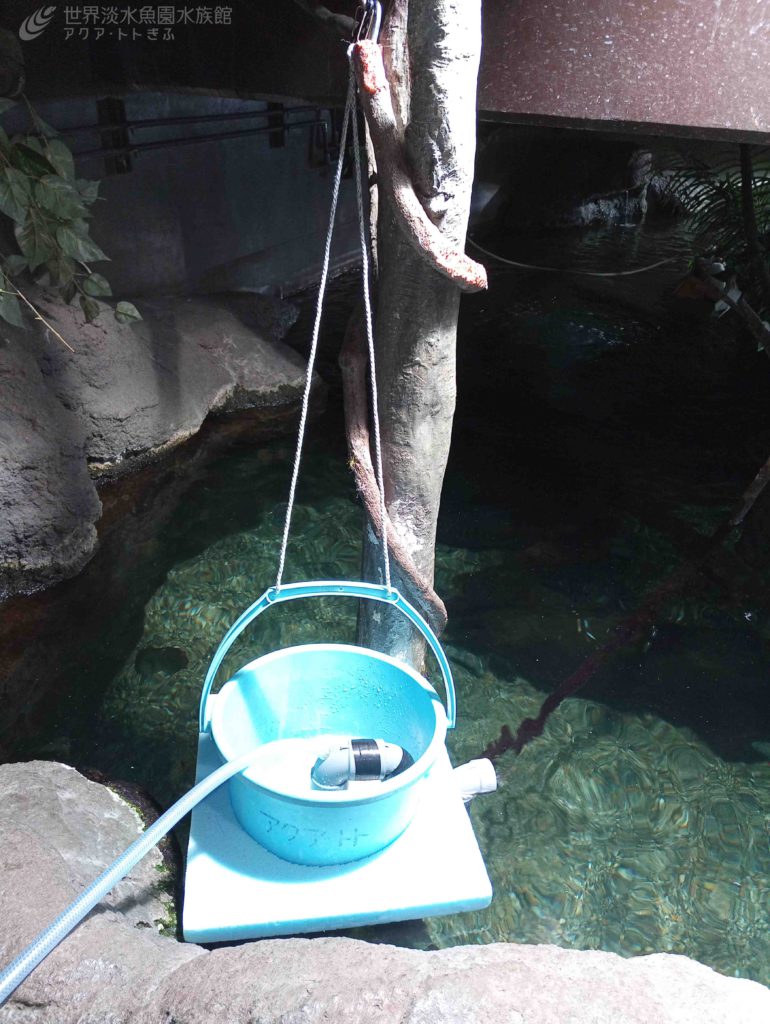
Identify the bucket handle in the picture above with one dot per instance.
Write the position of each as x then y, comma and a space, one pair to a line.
318, 588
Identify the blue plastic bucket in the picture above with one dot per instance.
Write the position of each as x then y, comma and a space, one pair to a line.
294, 703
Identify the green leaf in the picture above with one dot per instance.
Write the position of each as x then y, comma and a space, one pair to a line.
26, 157
61, 157
5, 143
96, 285
33, 142
6, 105
77, 245
62, 269
127, 313
58, 197
34, 241
14, 264
42, 126
9, 305
90, 307
14, 194
68, 291
10, 309
89, 190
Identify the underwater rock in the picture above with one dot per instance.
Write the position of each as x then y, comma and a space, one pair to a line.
58, 830
151, 661
127, 395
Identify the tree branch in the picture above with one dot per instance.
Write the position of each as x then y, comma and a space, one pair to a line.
393, 177
352, 361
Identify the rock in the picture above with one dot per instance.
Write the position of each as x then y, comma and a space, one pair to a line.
640, 168
550, 180
349, 981
625, 208
125, 396
266, 314
57, 830
151, 661
48, 504
148, 810
88, 826
666, 194
144, 388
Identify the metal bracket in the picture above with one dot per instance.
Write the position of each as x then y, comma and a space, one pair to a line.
276, 124
115, 143
368, 20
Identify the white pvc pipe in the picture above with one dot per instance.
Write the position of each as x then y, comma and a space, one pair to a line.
475, 777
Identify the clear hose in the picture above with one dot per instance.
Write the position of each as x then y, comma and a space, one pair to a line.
50, 937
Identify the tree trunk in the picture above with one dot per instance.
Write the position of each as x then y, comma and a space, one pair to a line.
431, 50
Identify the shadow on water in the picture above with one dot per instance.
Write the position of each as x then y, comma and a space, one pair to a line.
599, 435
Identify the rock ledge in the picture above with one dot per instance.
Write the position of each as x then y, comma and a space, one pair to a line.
58, 831
127, 395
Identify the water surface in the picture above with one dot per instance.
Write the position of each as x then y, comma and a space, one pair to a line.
599, 432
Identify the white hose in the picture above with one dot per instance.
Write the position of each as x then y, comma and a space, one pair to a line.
50, 937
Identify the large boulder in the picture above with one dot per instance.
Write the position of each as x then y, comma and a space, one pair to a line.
48, 503
142, 389
126, 395
58, 830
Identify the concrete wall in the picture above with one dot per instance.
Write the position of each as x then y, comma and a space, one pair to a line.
229, 214
675, 66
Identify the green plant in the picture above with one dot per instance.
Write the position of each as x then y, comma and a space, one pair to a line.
726, 195
50, 210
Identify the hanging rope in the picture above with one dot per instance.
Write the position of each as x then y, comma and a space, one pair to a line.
350, 111
349, 103
370, 340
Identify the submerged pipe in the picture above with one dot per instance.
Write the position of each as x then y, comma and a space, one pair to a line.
20, 968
